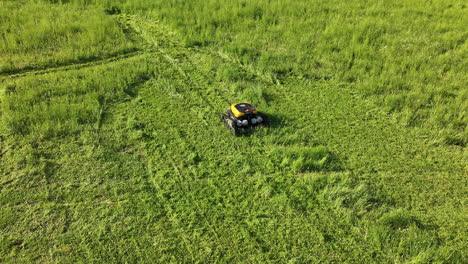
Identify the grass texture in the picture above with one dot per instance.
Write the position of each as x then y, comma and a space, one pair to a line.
112, 151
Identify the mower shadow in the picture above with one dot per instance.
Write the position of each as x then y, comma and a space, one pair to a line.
275, 121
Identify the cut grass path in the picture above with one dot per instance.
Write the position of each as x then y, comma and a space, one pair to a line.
74, 66
412, 171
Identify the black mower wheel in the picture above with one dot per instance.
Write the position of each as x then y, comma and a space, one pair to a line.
232, 127
222, 117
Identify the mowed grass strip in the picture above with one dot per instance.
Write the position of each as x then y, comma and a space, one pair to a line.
148, 136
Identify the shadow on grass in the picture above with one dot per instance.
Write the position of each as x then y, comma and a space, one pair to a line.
277, 120
274, 121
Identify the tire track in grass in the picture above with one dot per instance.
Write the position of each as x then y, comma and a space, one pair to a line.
129, 32
178, 57
201, 106
194, 79
180, 180
73, 66
181, 139
160, 40
194, 95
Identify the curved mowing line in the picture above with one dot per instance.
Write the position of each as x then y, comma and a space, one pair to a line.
73, 66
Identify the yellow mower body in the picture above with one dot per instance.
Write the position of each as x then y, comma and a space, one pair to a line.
240, 110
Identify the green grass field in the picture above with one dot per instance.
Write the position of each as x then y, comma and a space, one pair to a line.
112, 151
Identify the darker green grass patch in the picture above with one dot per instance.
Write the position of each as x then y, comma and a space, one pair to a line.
457, 140
302, 159
400, 219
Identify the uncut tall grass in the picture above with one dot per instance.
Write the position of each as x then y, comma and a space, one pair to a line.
37, 35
